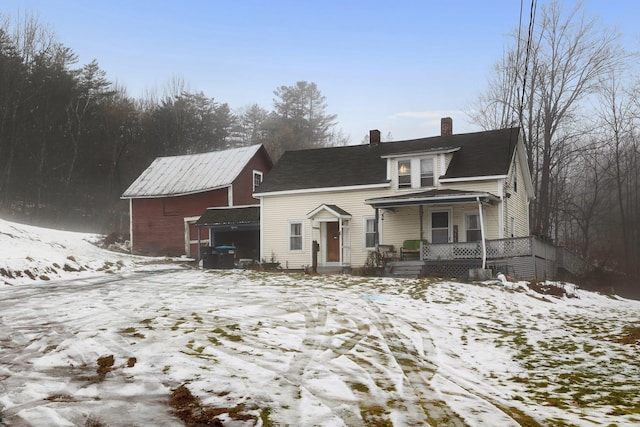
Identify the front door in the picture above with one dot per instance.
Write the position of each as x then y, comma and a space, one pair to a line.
440, 227
333, 242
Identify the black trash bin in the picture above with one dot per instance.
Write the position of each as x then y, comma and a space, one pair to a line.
226, 256
209, 257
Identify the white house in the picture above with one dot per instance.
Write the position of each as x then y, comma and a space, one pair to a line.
441, 197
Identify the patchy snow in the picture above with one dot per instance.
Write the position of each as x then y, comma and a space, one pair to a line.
301, 350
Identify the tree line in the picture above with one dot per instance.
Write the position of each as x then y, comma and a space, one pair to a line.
567, 81
71, 141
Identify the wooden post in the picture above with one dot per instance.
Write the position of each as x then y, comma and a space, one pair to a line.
484, 244
315, 248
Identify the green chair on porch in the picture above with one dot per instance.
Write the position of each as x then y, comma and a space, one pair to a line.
410, 249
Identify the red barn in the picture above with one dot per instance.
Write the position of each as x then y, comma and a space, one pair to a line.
173, 192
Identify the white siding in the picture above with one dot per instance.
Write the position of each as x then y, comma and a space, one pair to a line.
487, 186
396, 225
279, 210
516, 206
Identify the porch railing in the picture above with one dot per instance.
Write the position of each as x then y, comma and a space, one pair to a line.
528, 257
501, 248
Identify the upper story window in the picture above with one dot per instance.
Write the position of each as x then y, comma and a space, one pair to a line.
426, 172
404, 173
515, 177
416, 173
257, 179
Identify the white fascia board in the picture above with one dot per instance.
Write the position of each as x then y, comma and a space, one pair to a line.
524, 167
324, 207
389, 169
323, 190
434, 198
473, 178
421, 152
131, 224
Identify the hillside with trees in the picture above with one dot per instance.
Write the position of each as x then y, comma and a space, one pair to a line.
71, 140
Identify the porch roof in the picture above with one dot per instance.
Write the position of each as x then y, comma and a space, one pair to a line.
231, 218
431, 197
332, 209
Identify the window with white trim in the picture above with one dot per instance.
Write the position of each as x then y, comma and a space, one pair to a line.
370, 233
474, 234
416, 173
426, 172
295, 236
404, 173
515, 177
257, 179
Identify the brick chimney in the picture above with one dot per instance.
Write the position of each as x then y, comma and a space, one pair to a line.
446, 126
374, 137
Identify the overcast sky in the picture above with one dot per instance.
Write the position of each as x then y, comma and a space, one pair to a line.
395, 66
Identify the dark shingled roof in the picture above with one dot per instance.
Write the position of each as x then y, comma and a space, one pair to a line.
487, 153
230, 216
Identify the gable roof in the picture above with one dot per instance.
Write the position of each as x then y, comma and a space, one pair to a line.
189, 174
478, 154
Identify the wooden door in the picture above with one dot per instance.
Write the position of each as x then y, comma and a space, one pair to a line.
333, 242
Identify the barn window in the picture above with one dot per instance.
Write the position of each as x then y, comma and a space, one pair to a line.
257, 179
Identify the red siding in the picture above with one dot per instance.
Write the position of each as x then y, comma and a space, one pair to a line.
157, 224
243, 185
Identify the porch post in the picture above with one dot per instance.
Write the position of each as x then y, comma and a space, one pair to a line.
199, 254
376, 232
421, 211
484, 244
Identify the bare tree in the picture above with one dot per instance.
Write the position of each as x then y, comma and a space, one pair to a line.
616, 114
568, 54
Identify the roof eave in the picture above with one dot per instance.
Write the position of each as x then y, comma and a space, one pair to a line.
442, 150
160, 196
322, 190
444, 199
472, 178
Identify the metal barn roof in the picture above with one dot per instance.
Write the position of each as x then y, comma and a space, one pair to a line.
189, 174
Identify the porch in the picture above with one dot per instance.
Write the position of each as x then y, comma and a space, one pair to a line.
525, 258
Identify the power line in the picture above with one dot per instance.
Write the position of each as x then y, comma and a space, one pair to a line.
532, 18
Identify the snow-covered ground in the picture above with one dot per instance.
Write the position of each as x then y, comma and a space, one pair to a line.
277, 349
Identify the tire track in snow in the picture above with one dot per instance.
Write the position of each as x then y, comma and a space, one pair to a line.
425, 406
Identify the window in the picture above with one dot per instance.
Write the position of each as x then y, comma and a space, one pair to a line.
440, 227
295, 236
404, 173
426, 172
416, 173
370, 233
474, 234
257, 179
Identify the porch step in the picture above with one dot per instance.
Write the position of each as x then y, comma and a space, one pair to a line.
405, 269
